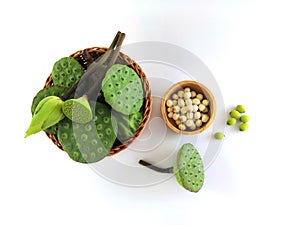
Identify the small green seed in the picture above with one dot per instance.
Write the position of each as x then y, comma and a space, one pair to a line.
244, 118
219, 135
243, 127
231, 121
234, 113
240, 108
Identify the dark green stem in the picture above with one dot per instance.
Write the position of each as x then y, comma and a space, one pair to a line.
110, 59
93, 67
155, 168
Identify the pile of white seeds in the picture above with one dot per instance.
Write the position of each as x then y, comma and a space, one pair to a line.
188, 109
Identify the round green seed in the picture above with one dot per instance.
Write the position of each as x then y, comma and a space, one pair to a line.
234, 113
243, 127
244, 118
240, 108
231, 121
219, 135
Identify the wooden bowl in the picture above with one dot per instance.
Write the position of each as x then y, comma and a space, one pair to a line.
198, 88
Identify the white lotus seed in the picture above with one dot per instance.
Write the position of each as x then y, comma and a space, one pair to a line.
176, 109
174, 96
197, 115
187, 95
187, 89
196, 101
180, 94
193, 127
183, 110
195, 108
174, 102
188, 102
205, 110
181, 127
170, 109
175, 116
177, 122
189, 123
169, 103
202, 107
190, 116
193, 93
181, 102
204, 118
200, 96
198, 123
183, 119
190, 108
170, 115
205, 102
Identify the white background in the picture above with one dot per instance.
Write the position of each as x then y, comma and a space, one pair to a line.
251, 47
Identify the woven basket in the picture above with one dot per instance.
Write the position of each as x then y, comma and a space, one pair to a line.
95, 52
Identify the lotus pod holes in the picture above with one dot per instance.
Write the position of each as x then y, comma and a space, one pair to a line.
123, 90
89, 142
78, 110
66, 72
188, 168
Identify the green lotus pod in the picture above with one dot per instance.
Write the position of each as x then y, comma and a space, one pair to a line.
50, 91
78, 110
127, 124
66, 72
89, 142
188, 168
122, 89
47, 113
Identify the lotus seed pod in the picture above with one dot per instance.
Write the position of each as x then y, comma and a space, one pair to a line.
89, 142
243, 127
219, 135
78, 110
234, 113
66, 72
240, 108
123, 89
231, 121
188, 168
50, 91
244, 118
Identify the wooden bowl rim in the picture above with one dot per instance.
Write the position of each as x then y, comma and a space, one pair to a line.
207, 95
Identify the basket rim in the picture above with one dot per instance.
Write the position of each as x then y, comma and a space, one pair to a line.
147, 91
